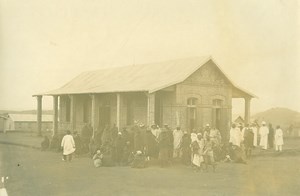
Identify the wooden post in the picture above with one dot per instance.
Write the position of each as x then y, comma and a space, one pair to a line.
247, 110
55, 114
39, 115
93, 115
151, 109
118, 110
73, 113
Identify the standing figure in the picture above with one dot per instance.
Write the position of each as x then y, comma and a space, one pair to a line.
119, 145
215, 136
78, 143
197, 150
235, 135
206, 132
45, 143
254, 130
185, 148
151, 145
278, 139
208, 154
164, 146
106, 136
86, 133
271, 136
263, 132
248, 140
68, 146
138, 139
177, 135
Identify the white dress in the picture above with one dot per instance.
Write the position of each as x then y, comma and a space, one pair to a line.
68, 144
278, 137
264, 132
177, 135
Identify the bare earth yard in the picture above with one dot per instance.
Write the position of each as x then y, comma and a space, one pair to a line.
33, 172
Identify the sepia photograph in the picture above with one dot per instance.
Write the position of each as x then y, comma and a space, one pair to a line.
149, 98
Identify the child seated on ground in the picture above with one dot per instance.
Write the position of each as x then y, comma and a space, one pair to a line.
98, 159
139, 160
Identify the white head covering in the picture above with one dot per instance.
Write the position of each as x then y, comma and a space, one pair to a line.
194, 137
263, 123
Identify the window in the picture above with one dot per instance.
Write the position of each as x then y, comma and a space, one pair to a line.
191, 102
191, 113
217, 102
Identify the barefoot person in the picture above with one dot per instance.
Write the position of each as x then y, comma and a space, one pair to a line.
278, 139
68, 146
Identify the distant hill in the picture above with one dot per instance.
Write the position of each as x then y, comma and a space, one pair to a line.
279, 116
24, 112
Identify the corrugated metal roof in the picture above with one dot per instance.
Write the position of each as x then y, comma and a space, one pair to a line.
145, 77
30, 117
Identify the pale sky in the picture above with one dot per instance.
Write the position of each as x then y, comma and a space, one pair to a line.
44, 44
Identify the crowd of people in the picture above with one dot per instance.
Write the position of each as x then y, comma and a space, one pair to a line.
141, 146
252, 135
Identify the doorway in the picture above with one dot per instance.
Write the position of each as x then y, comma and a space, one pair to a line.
104, 116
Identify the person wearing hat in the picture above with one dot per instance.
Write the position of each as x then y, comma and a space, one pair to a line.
264, 132
177, 135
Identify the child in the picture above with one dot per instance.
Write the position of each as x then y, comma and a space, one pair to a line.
139, 160
278, 139
208, 154
197, 150
98, 159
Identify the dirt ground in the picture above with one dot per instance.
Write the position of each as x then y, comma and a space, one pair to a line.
32, 172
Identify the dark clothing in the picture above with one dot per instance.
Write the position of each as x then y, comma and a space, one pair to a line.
186, 150
138, 141
114, 132
151, 145
106, 136
45, 143
98, 140
55, 142
118, 149
164, 147
139, 161
86, 134
78, 144
237, 154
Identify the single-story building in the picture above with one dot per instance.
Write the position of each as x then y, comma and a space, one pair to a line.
189, 92
24, 122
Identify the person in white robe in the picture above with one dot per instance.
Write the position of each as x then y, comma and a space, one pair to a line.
235, 135
278, 139
177, 139
254, 130
263, 132
68, 146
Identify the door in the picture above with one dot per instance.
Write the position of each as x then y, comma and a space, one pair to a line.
104, 116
